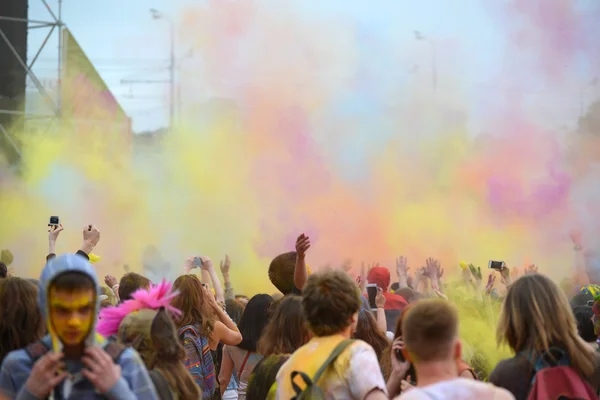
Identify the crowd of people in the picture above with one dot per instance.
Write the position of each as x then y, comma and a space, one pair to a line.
337, 333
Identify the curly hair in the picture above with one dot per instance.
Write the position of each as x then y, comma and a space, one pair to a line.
281, 272
330, 299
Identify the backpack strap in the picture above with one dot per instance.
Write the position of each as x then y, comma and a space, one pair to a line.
114, 350
36, 350
339, 349
244, 364
545, 359
187, 329
332, 357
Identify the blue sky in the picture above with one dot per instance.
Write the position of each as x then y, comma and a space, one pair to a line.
124, 42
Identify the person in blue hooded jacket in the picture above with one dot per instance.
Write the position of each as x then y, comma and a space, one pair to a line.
73, 361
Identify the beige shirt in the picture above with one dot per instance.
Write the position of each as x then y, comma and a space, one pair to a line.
457, 389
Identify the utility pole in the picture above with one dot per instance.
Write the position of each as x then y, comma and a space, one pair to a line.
172, 77
159, 15
434, 78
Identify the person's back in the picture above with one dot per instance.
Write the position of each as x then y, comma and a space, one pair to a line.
331, 302
430, 334
530, 344
353, 375
68, 300
241, 359
457, 389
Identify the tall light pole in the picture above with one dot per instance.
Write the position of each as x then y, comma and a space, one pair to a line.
159, 15
422, 37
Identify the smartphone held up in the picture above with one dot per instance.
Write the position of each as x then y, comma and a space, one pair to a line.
372, 294
498, 265
197, 262
54, 221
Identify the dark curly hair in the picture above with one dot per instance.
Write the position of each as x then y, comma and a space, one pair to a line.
330, 299
281, 272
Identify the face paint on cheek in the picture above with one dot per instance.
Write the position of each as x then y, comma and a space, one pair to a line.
71, 316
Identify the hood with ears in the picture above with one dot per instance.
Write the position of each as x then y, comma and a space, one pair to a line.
55, 268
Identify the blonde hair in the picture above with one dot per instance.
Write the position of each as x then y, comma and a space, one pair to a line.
536, 316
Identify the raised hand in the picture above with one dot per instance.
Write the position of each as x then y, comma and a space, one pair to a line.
302, 245
476, 272
54, 231
207, 264
380, 298
188, 265
532, 269
225, 265
420, 273
91, 235
433, 269
505, 277
490, 283
110, 281
402, 267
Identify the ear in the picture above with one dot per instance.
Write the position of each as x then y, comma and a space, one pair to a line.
458, 349
354, 321
406, 354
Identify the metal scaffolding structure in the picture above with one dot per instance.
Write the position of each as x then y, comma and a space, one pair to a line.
54, 24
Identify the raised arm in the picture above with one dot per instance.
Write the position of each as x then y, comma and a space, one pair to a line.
225, 266
91, 237
207, 266
300, 272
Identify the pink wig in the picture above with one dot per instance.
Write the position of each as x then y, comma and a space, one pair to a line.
154, 298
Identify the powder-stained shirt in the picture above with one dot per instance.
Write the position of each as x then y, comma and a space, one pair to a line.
135, 383
457, 389
353, 375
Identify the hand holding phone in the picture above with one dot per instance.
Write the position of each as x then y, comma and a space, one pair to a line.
54, 221
498, 265
197, 262
372, 294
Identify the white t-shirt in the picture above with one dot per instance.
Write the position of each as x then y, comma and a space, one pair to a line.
353, 375
457, 389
